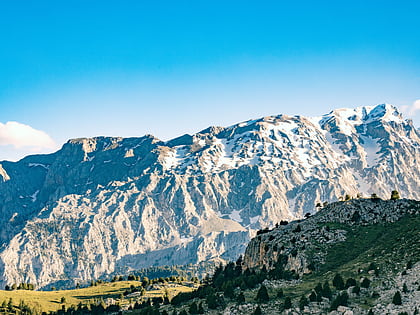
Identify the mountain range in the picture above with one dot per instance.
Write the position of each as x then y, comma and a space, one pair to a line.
104, 205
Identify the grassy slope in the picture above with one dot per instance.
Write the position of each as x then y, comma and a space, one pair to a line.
50, 300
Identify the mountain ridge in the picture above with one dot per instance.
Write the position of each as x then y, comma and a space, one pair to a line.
193, 198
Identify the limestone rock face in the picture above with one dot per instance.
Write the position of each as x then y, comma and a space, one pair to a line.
105, 204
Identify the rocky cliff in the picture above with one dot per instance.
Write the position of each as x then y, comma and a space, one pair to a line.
103, 204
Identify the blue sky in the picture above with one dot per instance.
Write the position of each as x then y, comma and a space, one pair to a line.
128, 68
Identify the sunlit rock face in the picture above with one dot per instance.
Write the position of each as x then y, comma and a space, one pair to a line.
105, 204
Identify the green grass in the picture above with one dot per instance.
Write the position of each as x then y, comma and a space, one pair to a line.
50, 300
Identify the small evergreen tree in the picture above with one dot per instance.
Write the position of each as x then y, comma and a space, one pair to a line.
326, 291
405, 289
193, 308
303, 302
409, 264
340, 299
356, 290
350, 283
257, 311
397, 298
365, 283
395, 195
280, 293
287, 303
240, 298
312, 296
200, 308
318, 288
338, 282
262, 294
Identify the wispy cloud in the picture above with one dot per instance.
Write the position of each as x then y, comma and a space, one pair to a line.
22, 137
411, 110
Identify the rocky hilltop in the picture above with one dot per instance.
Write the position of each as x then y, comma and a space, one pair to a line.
101, 205
304, 244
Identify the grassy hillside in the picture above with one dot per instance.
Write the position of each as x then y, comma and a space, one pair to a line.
51, 300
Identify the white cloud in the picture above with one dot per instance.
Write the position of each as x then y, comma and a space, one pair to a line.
21, 136
411, 110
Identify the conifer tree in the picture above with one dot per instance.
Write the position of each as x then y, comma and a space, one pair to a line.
262, 295
287, 303
338, 282
397, 298
395, 195
303, 302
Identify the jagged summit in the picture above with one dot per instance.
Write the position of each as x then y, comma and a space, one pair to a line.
108, 203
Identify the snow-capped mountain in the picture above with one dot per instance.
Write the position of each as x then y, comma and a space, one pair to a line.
105, 204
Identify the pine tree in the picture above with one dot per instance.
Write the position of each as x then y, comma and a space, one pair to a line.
338, 282
241, 298
303, 302
365, 283
262, 295
200, 308
397, 298
257, 311
350, 283
395, 195
193, 308
312, 296
326, 291
287, 303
